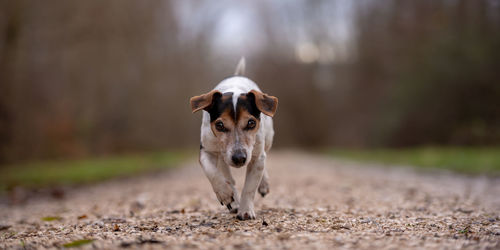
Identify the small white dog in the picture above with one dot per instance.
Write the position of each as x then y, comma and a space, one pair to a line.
237, 131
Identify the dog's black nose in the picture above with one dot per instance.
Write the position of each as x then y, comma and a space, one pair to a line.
239, 157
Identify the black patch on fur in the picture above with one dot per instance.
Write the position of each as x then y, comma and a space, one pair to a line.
248, 103
201, 146
220, 103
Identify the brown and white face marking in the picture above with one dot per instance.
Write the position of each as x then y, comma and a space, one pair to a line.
235, 127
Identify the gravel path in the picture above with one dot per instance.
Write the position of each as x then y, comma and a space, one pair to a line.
315, 202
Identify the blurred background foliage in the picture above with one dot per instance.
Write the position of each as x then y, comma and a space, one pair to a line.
91, 78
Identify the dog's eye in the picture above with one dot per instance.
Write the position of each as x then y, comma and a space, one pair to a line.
251, 124
220, 126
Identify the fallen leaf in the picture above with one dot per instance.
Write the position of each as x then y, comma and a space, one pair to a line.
78, 243
83, 216
51, 218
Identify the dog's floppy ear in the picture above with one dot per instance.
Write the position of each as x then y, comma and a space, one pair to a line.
203, 101
265, 103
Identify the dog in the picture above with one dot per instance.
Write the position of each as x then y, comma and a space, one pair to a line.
237, 131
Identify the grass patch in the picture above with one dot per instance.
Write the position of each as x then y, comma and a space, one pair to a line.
51, 218
69, 172
463, 160
78, 243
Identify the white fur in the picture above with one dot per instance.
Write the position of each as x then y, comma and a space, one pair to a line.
238, 85
240, 69
215, 163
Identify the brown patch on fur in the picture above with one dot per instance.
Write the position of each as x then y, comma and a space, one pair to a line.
202, 101
227, 118
243, 117
265, 103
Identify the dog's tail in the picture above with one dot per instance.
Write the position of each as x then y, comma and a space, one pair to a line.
240, 69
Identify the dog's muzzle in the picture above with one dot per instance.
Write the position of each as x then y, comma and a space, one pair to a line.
239, 158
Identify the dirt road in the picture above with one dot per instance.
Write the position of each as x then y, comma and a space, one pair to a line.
315, 202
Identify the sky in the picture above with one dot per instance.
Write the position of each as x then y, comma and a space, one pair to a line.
319, 31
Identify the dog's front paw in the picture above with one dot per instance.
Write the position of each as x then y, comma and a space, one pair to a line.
247, 214
232, 209
225, 194
233, 206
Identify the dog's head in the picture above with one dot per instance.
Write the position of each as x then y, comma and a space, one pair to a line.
235, 122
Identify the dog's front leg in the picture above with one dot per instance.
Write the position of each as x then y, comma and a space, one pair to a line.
221, 186
254, 174
224, 168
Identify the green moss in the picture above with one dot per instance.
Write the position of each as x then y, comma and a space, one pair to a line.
463, 160
51, 218
78, 243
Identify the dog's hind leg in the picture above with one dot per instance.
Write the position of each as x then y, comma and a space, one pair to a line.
264, 184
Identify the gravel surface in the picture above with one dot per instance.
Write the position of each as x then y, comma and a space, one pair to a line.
315, 202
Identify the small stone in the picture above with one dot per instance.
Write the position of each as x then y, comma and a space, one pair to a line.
367, 220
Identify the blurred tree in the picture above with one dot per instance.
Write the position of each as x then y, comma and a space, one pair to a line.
93, 77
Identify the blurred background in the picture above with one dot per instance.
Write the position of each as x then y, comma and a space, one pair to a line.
81, 79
